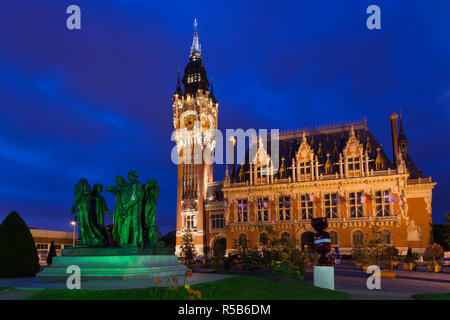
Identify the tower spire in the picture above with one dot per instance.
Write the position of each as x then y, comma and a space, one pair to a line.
196, 50
178, 90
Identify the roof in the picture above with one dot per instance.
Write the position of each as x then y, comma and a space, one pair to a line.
330, 140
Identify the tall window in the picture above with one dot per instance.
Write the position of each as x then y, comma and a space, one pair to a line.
306, 207
263, 209
242, 208
382, 203
190, 222
356, 206
284, 205
264, 239
386, 236
358, 237
334, 238
217, 221
285, 237
243, 240
305, 170
331, 205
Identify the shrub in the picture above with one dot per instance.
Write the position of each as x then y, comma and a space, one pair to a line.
51, 253
410, 256
434, 252
18, 254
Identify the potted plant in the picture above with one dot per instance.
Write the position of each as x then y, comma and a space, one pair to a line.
432, 253
409, 262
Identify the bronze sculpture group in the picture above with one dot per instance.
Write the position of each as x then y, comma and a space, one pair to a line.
134, 217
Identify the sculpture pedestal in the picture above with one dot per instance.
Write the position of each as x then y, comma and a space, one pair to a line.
94, 263
324, 277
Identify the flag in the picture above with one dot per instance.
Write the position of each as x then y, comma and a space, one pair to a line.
393, 198
361, 198
263, 203
309, 197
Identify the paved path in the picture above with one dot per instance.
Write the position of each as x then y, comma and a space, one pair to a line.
350, 279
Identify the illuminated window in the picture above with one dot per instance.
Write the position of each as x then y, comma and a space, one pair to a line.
304, 170
242, 208
382, 203
306, 207
284, 206
263, 209
190, 222
331, 205
217, 221
356, 206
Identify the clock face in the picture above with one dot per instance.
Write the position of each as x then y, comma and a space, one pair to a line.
189, 122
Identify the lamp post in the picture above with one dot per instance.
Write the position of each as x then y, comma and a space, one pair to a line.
74, 224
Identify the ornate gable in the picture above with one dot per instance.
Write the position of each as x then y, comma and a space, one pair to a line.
304, 152
353, 147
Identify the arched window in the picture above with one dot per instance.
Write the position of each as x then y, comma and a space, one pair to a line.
386, 236
285, 237
243, 240
358, 236
264, 239
334, 238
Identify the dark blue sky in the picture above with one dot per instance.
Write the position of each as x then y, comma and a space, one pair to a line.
97, 102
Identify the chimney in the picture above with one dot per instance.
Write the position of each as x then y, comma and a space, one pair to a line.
394, 133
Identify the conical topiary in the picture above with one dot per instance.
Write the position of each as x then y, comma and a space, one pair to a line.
18, 254
51, 253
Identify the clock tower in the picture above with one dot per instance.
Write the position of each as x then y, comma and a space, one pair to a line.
195, 121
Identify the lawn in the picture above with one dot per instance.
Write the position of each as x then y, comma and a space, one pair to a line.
233, 288
432, 296
3, 289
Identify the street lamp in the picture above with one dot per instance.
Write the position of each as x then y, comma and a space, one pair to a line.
74, 224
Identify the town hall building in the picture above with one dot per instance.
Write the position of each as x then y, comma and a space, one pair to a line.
340, 172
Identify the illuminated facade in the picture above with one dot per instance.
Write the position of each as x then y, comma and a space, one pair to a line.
339, 172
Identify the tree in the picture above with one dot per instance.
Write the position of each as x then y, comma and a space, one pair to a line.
170, 239
51, 253
434, 252
18, 254
188, 250
441, 235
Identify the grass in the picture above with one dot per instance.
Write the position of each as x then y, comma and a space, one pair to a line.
432, 296
233, 288
3, 289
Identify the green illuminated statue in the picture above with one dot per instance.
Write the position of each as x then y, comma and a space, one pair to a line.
120, 224
133, 209
134, 218
81, 206
149, 227
98, 210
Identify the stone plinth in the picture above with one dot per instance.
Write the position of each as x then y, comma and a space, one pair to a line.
324, 277
121, 263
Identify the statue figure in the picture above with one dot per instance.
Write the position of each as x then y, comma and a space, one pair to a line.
133, 209
81, 207
149, 227
120, 221
98, 210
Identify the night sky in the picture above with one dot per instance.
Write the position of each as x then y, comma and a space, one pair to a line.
96, 103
